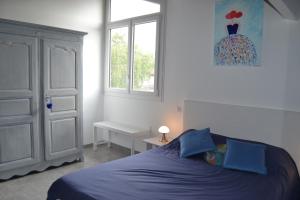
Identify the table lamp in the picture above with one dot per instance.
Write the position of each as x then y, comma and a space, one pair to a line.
163, 130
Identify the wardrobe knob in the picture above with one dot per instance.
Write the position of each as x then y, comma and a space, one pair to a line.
48, 103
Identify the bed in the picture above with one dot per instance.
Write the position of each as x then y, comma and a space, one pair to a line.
160, 174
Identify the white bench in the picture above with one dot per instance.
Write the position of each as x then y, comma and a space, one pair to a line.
114, 127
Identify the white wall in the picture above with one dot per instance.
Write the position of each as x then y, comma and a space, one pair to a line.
82, 15
291, 132
190, 74
292, 89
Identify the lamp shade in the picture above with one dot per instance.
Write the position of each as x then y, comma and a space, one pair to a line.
163, 129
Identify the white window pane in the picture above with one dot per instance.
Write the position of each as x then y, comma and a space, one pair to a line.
119, 58
121, 9
144, 57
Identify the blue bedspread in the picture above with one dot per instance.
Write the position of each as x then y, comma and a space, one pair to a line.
161, 175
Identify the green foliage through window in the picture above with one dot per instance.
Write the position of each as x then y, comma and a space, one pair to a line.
144, 66
143, 69
119, 61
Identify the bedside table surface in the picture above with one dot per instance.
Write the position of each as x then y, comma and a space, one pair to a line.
156, 141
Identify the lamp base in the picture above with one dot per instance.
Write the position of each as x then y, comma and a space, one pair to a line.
163, 138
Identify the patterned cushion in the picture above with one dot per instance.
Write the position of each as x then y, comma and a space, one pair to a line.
216, 157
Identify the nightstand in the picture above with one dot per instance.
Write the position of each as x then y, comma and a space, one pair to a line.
155, 142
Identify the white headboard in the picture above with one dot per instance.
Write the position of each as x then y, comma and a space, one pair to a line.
260, 124
276, 127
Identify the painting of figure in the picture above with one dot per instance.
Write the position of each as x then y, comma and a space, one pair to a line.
238, 32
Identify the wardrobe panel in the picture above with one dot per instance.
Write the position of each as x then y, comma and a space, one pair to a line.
63, 103
63, 135
13, 107
15, 142
15, 63
63, 67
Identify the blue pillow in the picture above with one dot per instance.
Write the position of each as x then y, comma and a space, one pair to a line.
245, 156
195, 142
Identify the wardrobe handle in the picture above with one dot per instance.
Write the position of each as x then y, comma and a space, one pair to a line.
48, 103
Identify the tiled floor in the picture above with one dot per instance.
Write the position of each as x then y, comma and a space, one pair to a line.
35, 186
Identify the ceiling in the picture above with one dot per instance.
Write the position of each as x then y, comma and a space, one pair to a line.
289, 9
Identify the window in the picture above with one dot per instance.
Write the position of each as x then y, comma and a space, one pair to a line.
144, 56
122, 9
133, 46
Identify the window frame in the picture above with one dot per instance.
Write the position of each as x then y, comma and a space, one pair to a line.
159, 52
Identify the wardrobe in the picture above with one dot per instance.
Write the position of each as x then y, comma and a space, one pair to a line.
40, 97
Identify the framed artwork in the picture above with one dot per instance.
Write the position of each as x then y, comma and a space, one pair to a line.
238, 32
